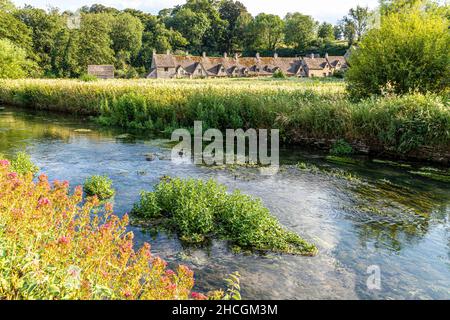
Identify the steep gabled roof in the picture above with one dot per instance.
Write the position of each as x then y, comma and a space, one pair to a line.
335, 60
164, 60
315, 63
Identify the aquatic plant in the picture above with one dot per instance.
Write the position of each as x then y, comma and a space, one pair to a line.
100, 186
54, 246
341, 148
199, 210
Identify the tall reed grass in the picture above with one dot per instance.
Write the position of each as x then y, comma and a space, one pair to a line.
299, 108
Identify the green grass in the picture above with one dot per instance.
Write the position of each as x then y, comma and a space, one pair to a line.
300, 108
199, 210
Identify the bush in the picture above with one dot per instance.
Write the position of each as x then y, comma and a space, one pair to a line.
341, 148
13, 61
279, 75
199, 210
100, 186
53, 247
22, 164
408, 53
88, 77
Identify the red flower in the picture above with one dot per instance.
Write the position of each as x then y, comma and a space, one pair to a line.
4, 163
198, 296
43, 202
170, 273
63, 240
12, 175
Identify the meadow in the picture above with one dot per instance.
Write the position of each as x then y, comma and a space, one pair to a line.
301, 108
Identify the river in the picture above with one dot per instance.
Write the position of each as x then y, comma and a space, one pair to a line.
394, 221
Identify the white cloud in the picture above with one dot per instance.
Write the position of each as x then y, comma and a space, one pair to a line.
323, 10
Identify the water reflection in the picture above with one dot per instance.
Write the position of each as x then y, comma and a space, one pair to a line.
391, 218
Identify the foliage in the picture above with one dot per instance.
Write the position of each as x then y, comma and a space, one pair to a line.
341, 148
304, 108
54, 247
100, 186
23, 165
88, 77
199, 210
326, 31
13, 61
408, 53
279, 75
265, 32
300, 30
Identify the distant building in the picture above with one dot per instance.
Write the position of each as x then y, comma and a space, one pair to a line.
166, 66
101, 71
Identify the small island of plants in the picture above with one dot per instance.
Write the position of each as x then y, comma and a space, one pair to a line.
198, 210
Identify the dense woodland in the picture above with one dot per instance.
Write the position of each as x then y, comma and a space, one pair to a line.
127, 38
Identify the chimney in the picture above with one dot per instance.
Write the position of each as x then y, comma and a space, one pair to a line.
311, 55
225, 55
187, 53
275, 55
204, 54
258, 56
154, 51
236, 56
168, 52
326, 55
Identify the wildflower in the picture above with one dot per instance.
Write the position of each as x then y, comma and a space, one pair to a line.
12, 175
171, 287
43, 202
170, 273
4, 163
127, 294
43, 178
198, 296
63, 240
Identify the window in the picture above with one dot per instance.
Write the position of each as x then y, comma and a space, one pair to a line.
166, 69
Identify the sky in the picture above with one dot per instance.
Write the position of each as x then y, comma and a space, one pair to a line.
322, 10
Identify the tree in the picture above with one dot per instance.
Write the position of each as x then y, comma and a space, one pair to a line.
357, 22
326, 31
234, 13
300, 30
338, 32
13, 61
126, 37
265, 32
409, 52
95, 41
12, 28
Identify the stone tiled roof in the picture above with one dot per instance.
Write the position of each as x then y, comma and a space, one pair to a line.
214, 66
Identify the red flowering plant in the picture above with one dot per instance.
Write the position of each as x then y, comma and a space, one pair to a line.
54, 247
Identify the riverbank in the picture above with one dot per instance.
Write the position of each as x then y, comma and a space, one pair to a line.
313, 112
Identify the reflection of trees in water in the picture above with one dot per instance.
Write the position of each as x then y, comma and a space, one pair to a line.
391, 215
18, 128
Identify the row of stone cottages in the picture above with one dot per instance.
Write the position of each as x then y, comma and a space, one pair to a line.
185, 66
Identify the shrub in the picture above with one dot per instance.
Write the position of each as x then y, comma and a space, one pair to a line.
199, 210
341, 148
22, 164
88, 77
54, 247
279, 75
13, 61
100, 186
408, 53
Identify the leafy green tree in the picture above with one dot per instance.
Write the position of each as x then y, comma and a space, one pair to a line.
234, 13
12, 28
300, 30
326, 31
13, 61
266, 32
95, 41
338, 32
357, 23
126, 36
409, 52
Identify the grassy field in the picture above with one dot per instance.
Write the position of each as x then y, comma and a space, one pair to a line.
300, 108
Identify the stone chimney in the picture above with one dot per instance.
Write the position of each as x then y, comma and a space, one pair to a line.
225, 55
154, 51
275, 55
311, 55
187, 53
326, 55
168, 52
204, 54
258, 56
236, 56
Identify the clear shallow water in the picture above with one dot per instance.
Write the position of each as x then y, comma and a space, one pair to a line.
395, 220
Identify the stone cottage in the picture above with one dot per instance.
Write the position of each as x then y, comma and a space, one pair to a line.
167, 66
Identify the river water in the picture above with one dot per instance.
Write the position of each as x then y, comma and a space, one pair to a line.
388, 220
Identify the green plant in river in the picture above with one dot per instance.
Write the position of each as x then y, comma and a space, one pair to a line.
100, 186
199, 210
341, 148
433, 173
